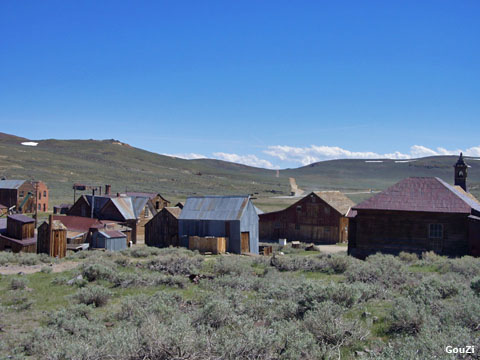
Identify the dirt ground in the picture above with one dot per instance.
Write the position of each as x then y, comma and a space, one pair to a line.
30, 269
332, 249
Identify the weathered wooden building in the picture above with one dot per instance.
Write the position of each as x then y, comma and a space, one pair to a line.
18, 234
232, 217
133, 210
162, 230
416, 215
24, 195
52, 238
319, 217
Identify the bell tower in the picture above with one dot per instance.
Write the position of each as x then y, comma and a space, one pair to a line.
461, 173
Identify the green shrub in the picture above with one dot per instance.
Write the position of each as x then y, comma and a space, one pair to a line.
96, 295
176, 264
18, 283
7, 257
328, 326
46, 269
97, 271
408, 258
475, 285
406, 317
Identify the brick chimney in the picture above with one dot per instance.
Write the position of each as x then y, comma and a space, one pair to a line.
108, 188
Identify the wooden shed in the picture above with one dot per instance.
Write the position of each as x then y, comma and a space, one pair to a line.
416, 215
52, 239
19, 234
232, 217
112, 240
162, 230
319, 217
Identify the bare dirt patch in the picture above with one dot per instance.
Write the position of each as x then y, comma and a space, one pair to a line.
30, 269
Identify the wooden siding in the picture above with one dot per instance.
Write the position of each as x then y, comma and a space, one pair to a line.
19, 230
310, 220
162, 230
396, 231
214, 245
54, 244
8, 197
13, 246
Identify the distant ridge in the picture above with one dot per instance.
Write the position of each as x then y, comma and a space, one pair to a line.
60, 163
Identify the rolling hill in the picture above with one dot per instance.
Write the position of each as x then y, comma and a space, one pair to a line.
60, 163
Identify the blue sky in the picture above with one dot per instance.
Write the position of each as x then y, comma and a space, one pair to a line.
267, 83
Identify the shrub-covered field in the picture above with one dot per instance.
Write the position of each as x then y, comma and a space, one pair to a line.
148, 303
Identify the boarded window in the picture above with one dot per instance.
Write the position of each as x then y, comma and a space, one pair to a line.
435, 231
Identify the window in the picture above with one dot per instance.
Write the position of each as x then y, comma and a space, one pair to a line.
299, 208
157, 205
40, 207
435, 231
44, 208
277, 225
22, 194
45, 193
327, 210
327, 230
313, 198
297, 226
39, 196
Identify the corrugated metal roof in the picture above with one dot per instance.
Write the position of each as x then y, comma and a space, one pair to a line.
421, 194
112, 234
139, 204
125, 207
336, 199
11, 184
214, 208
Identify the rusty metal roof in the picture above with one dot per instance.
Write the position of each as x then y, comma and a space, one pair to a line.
77, 223
214, 207
21, 218
425, 194
11, 184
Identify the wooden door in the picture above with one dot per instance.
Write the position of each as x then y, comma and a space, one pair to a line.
245, 237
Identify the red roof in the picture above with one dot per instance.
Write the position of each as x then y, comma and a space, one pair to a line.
425, 194
77, 223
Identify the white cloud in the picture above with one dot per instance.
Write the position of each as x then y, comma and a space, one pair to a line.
188, 156
250, 160
314, 153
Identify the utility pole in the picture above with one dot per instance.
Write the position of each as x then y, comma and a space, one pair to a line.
36, 204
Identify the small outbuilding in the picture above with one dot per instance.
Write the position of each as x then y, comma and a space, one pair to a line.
162, 230
52, 239
19, 234
112, 240
232, 217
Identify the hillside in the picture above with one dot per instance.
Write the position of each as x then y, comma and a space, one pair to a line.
60, 163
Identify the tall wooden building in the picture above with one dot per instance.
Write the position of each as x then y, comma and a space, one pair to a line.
417, 215
319, 217
162, 230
